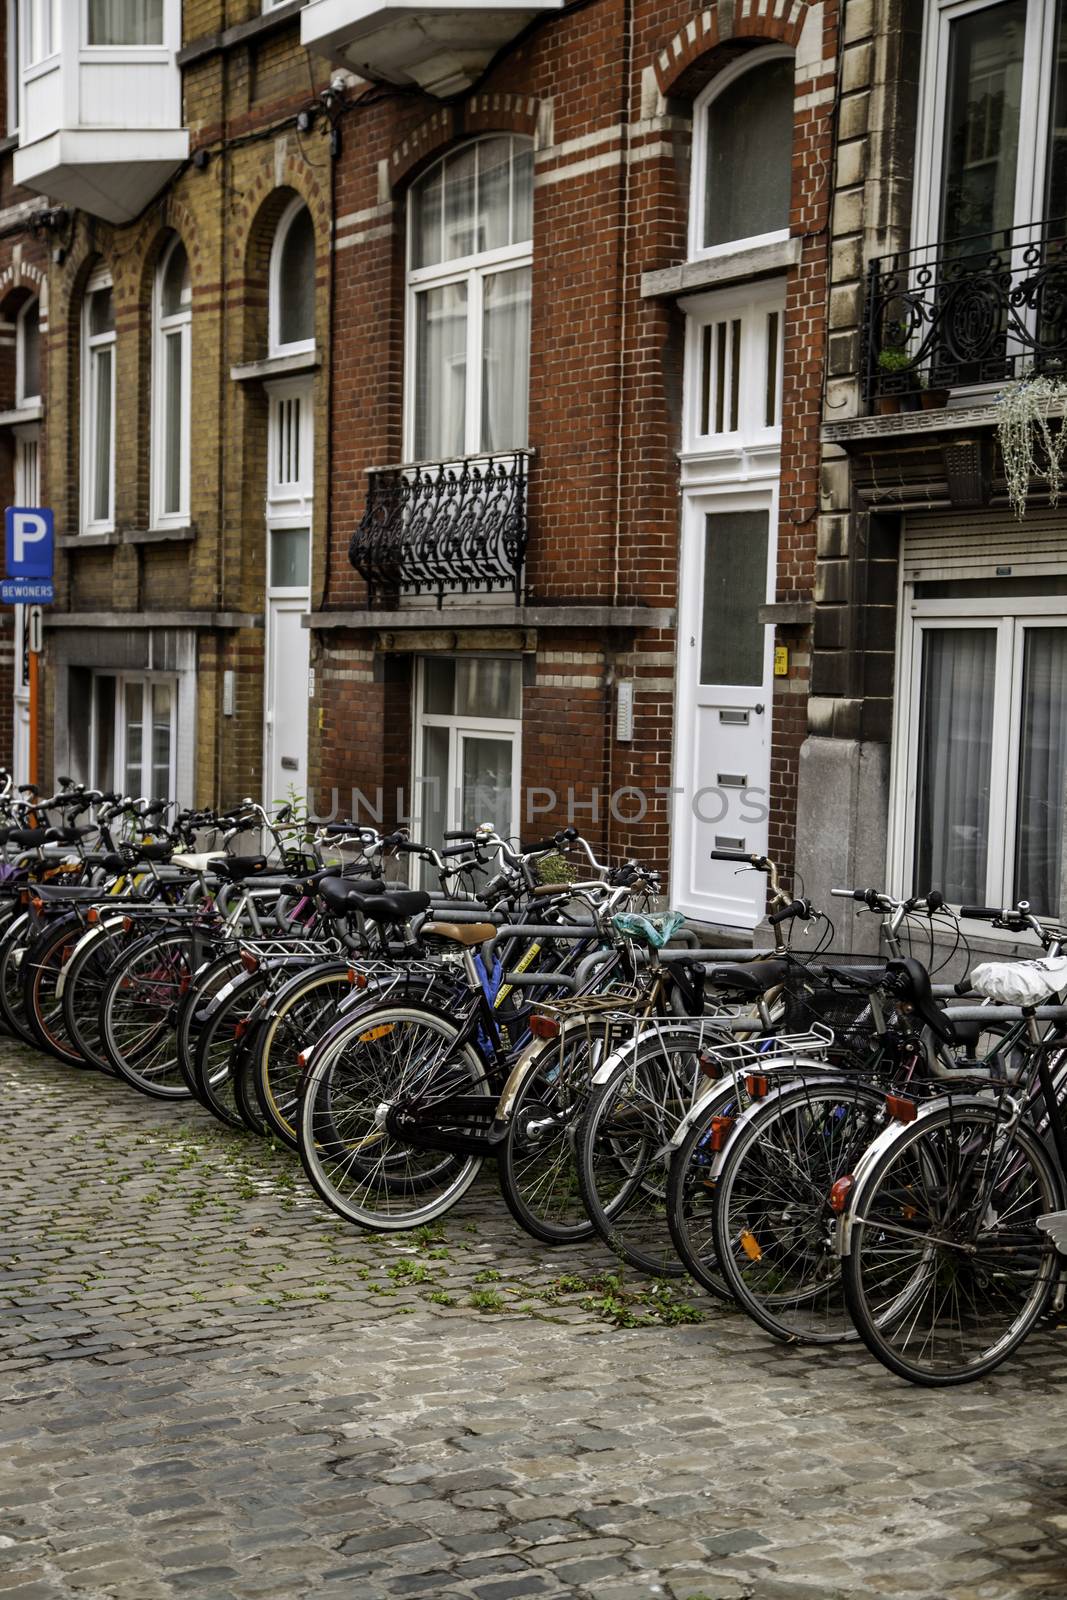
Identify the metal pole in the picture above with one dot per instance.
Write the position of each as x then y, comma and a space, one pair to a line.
34, 714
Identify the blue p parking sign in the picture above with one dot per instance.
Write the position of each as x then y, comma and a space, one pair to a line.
29, 555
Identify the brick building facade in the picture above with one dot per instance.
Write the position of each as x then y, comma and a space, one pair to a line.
498, 425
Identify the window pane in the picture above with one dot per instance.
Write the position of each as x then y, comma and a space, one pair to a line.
101, 454
1042, 770
134, 736
101, 312
522, 194
173, 422
162, 713
104, 714
119, 22
486, 784
955, 743
439, 691
460, 172
433, 791
732, 641
296, 282
505, 359
982, 122
488, 688
1056, 208
440, 372
289, 558
494, 184
30, 329
177, 288
427, 201
750, 155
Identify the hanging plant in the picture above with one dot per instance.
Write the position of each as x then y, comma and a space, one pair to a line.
1030, 446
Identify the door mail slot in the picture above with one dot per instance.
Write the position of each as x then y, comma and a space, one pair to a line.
732, 780
722, 842
733, 714
290, 764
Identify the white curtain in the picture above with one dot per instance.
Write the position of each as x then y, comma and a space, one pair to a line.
505, 359
1039, 824
441, 372
125, 22
955, 745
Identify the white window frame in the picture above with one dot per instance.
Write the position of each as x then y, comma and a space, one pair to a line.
752, 306
275, 347
933, 104
125, 52
40, 18
1008, 618
179, 325
507, 729
21, 397
698, 251
147, 680
91, 344
471, 270
13, 15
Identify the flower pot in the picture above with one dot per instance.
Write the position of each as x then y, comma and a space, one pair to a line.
887, 404
935, 399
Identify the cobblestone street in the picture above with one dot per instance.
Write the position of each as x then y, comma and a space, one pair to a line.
214, 1389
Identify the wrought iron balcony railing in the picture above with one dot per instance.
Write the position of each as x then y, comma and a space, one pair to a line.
967, 312
452, 527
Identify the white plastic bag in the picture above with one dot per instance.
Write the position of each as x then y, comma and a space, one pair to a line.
1021, 983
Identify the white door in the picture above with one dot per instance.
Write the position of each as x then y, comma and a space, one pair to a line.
723, 733
286, 763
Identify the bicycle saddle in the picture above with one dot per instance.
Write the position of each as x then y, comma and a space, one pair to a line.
30, 838
466, 933
751, 977
235, 869
337, 893
151, 852
397, 906
913, 985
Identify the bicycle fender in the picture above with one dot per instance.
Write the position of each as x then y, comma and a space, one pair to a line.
87, 938
875, 1150
662, 1028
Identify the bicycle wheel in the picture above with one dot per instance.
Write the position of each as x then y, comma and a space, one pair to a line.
298, 1017
12, 1001
82, 984
537, 1160
212, 973
137, 1014
388, 1058
216, 1042
624, 1145
41, 968
774, 1225
946, 1270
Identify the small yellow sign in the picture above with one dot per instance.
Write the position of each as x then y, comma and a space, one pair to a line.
781, 661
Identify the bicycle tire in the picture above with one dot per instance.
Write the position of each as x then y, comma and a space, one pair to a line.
296, 1019
41, 967
538, 1169
137, 1013
216, 1043
352, 1162
893, 1205
84, 980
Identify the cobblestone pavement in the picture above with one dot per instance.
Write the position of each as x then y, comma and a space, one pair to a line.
214, 1389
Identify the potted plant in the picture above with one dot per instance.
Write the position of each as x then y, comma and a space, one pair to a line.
891, 361
1029, 445
933, 399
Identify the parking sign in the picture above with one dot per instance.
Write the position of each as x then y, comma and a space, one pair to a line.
29, 542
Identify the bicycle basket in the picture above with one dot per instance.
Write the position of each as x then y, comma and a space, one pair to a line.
813, 995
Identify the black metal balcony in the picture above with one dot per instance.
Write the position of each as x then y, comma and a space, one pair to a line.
968, 312
452, 527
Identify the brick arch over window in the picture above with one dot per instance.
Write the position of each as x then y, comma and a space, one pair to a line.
716, 35
262, 209
482, 113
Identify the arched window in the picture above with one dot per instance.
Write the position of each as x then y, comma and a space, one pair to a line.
171, 383
470, 231
292, 283
98, 405
743, 154
28, 354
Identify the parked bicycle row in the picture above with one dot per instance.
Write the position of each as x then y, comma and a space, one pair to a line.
839, 1145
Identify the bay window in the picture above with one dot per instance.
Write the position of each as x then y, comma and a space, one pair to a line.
981, 750
469, 272
39, 30
171, 382
98, 406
